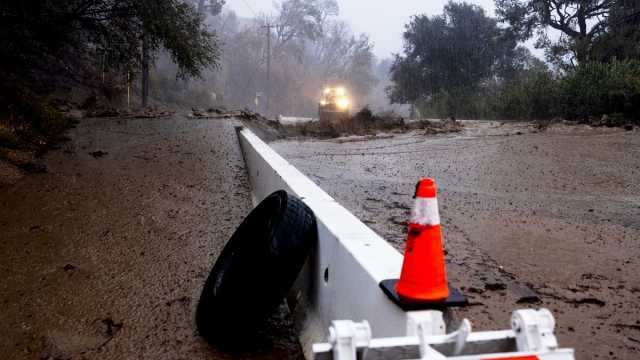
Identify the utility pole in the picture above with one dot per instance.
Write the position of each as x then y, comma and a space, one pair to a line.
268, 87
145, 69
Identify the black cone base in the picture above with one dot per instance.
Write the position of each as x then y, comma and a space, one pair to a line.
455, 298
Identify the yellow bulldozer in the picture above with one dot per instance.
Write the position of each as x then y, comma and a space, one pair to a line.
334, 104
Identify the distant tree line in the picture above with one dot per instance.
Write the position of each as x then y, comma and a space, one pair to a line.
467, 64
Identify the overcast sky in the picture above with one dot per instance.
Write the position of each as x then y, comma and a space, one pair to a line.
382, 20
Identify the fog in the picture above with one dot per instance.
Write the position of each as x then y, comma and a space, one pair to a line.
381, 20
468, 64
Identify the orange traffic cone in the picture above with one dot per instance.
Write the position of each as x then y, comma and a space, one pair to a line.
423, 275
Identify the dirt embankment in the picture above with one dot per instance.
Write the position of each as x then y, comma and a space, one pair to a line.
530, 218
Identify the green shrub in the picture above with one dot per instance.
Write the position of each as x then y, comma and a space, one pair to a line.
28, 120
596, 89
465, 103
535, 96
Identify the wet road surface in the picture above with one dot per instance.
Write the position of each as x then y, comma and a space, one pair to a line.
556, 212
105, 255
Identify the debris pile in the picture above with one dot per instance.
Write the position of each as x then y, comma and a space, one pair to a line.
268, 130
366, 123
105, 112
610, 121
212, 113
613, 121
222, 113
432, 127
251, 116
149, 112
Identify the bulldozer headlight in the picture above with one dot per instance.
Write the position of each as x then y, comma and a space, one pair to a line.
323, 102
343, 104
340, 91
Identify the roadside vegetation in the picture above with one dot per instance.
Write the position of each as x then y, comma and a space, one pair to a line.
57, 56
467, 64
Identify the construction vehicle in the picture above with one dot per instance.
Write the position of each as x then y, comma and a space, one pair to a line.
334, 105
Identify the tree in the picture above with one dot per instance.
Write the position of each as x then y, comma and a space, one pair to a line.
65, 39
311, 49
580, 23
303, 19
406, 88
314, 49
341, 57
622, 40
213, 6
453, 52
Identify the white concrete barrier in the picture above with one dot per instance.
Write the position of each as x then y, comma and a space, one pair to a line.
341, 281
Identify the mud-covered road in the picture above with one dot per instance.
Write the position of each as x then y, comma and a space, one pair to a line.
104, 256
553, 214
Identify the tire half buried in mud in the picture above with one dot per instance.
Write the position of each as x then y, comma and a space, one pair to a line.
256, 268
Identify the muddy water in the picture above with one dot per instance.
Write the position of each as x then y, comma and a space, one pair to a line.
105, 255
556, 212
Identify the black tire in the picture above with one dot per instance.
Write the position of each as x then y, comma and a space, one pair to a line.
257, 267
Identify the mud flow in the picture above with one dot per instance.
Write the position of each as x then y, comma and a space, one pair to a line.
530, 219
104, 255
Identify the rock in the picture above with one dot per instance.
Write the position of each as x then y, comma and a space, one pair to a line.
196, 112
496, 286
534, 299
98, 154
111, 327
628, 326
525, 294
589, 300
68, 268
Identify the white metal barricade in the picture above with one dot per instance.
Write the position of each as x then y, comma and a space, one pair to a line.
531, 337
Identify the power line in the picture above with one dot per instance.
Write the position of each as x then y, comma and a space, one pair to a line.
250, 9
